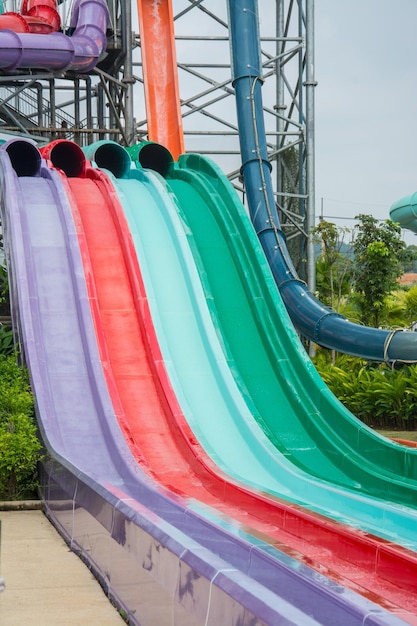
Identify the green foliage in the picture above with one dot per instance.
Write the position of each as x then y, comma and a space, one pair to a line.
6, 331
333, 284
379, 396
333, 269
20, 447
395, 310
323, 287
6, 340
411, 303
4, 291
360, 280
379, 251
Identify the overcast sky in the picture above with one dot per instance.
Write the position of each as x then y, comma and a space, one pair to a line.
366, 106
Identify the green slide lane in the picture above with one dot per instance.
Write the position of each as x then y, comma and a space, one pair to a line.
285, 394
213, 397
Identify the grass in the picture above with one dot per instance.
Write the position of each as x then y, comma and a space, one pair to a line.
411, 435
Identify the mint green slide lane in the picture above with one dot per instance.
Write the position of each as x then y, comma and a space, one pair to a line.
296, 410
217, 408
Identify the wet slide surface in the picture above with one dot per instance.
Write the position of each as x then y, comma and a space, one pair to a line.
295, 409
94, 443
88, 453
167, 266
85, 438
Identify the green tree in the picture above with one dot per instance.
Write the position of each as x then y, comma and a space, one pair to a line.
333, 267
378, 256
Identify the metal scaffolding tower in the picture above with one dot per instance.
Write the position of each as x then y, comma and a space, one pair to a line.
109, 103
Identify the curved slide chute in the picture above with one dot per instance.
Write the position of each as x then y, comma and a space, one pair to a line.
304, 420
200, 376
310, 317
130, 529
95, 487
56, 51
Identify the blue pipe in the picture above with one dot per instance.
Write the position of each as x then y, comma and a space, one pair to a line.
311, 318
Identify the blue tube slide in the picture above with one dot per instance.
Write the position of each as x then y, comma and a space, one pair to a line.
310, 317
56, 51
129, 529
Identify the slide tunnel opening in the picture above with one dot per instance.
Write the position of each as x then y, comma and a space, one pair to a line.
110, 156
155, 157
25, 157
68, 157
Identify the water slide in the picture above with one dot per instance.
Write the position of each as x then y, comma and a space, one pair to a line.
115, 493
310, 317
282, 391
203, 382
64, 235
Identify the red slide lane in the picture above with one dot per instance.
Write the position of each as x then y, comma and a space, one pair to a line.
161, 440
157, 42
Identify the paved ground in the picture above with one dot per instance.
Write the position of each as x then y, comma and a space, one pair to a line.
46, 583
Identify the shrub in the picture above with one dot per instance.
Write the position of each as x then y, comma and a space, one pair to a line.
6, 339
20, 447
379, 396
411, 303
4, 290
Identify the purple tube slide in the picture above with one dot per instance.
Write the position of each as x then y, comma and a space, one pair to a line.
55, 51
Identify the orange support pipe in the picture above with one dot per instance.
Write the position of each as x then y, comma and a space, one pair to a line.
156, 25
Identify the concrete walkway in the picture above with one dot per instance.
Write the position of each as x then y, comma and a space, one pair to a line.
46, 583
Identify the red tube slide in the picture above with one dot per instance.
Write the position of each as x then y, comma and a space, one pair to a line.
36, 16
